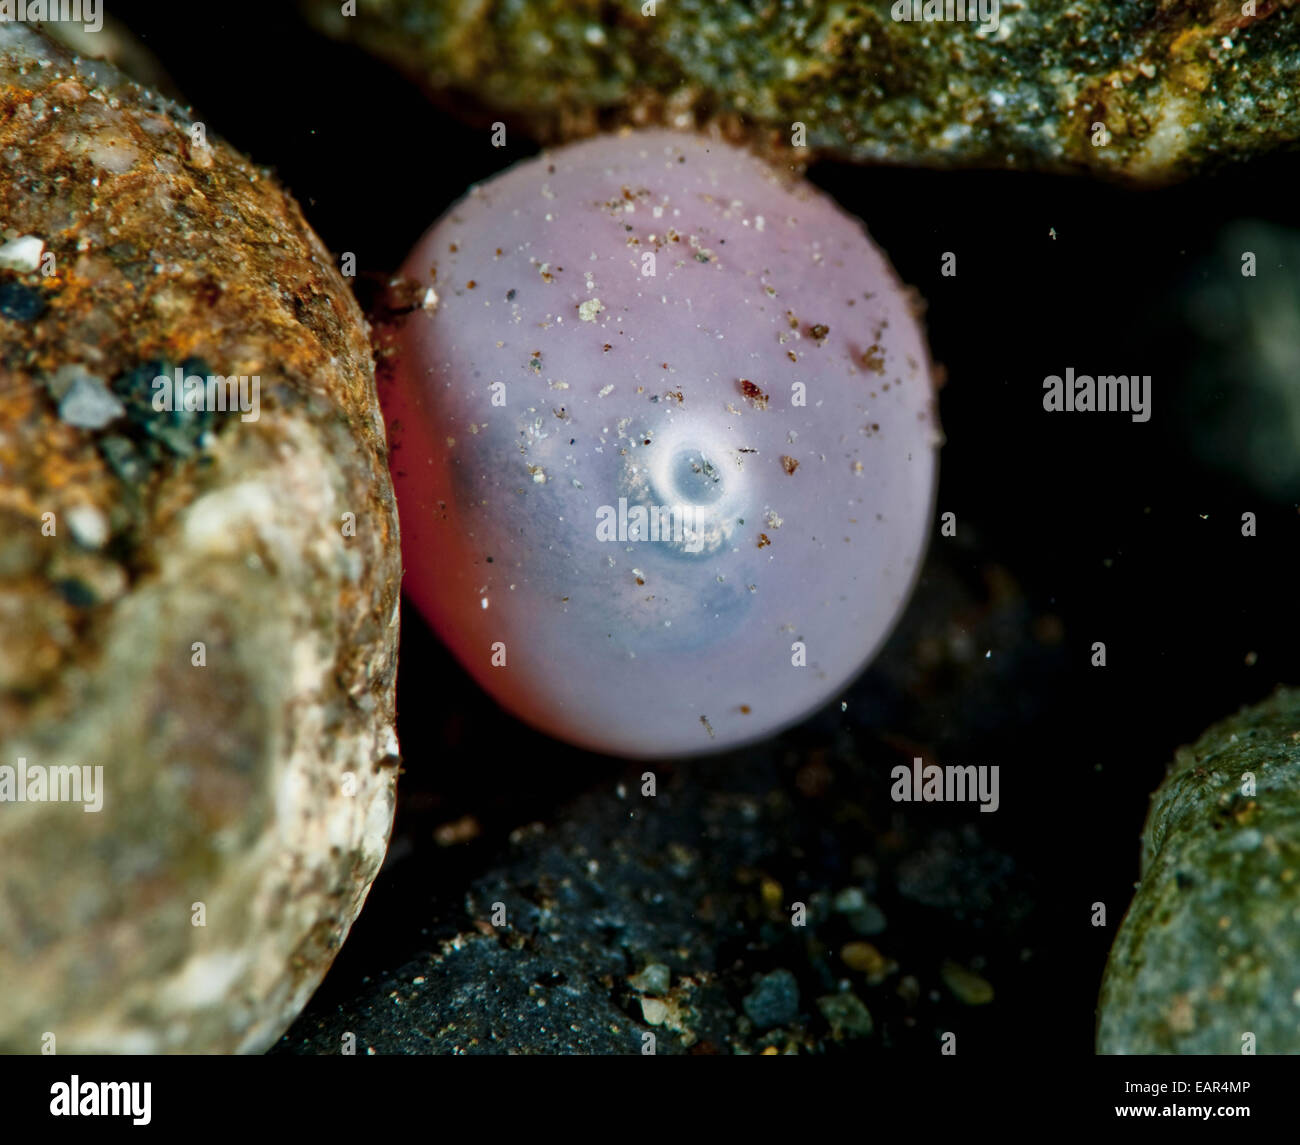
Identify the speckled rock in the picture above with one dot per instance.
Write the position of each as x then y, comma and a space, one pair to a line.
1206, 959
198, 606
1175, 86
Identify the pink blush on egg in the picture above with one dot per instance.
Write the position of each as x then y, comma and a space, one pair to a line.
664, 442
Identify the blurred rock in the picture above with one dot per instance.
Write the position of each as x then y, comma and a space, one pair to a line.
847, 1016
1205, 959
774, 1001
1239, 335
183, 604
1176, 90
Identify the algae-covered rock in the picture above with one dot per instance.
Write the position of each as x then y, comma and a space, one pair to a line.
198, 600
1149, 91
1207, 960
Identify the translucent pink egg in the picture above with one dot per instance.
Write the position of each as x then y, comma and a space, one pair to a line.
664, 441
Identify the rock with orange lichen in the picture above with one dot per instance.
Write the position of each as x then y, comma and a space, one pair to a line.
198, 600
1149, 91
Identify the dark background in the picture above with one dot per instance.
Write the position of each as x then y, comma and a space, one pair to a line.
1071, 529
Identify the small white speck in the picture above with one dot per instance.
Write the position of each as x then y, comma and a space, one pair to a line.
22, 254
89, 526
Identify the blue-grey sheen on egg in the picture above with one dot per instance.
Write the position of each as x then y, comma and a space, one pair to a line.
664, 440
